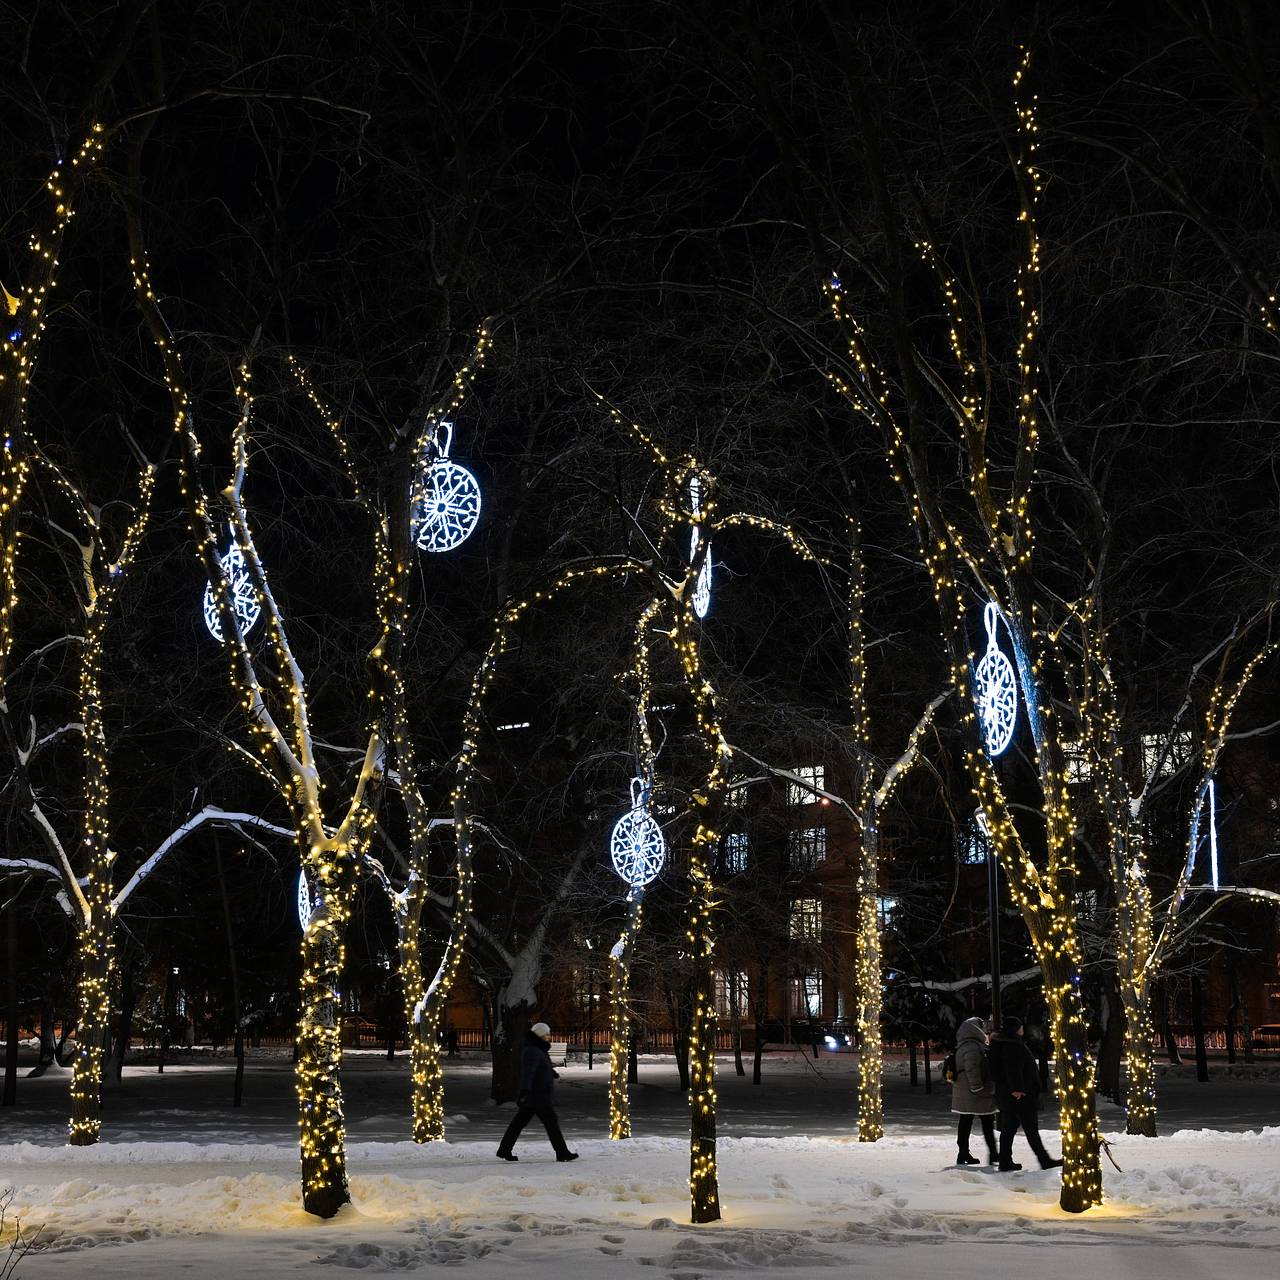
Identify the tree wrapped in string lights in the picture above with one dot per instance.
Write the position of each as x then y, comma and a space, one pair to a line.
1145, 933
272, 693
415, 458
82, 863
873, 790
670, 579
621, 951
1000, 562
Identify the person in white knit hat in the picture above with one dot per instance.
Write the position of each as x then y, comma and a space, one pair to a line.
537, 1087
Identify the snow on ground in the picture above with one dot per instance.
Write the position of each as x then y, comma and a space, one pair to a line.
226, 1204
146, 1210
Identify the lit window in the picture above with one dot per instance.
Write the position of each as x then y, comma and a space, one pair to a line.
736, 796
886, 910
735, 852
806, 919
806, 848
1155, 755
1087, 904
809, 778
806, 995
973, 843
731, 993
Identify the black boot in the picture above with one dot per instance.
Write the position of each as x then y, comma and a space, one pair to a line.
965, 1158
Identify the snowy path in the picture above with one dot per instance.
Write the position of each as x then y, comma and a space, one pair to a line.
184, 1183
149, 1209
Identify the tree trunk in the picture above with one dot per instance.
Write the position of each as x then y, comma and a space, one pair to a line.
1111, 1045
735, 1015
237, 1088
1197, 1029
96, 963
1077, 1105
124, 1025
1139, 1059
1170, 1040
10, 1095
1233, 1010
620, 1019
911, 1057
928, 1072
869, 994
633, 1067
48, 1051
319, 1044
507, 1047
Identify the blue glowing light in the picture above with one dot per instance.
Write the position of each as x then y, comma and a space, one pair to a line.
637, 846
304, 900
701, 588
446, 500
1213, 833
995, 691
244, 596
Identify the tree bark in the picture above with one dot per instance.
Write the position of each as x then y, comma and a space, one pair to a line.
620, 1019
319, 1040
1077, 1107
506, 1048
1166, 1027
10, 1095
124, 1024
869, 992
237, 1088
96, 962
1197, 1029
1111, 1045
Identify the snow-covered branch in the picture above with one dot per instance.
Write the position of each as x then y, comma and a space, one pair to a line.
210, 814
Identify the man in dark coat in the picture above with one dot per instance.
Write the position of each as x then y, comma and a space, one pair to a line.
1017, 1080
537, 1085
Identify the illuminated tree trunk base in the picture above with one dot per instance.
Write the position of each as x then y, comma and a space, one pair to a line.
1139, 1063
704, 1184
870, 1001
320, 1118
620, 1021
85, 1127
1081, 1142
428, 1081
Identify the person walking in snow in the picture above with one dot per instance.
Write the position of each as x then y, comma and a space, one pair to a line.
972, 1093
1017, 1082
537, 1087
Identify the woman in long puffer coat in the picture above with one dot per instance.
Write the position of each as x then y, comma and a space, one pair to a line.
972, 1093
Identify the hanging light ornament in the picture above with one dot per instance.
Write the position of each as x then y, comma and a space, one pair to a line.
995, 691
244, 596
702, 588
304, 900
446, 500
637, 845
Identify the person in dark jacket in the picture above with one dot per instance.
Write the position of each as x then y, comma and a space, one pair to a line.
537, 1086
972, 1093
1017, 1081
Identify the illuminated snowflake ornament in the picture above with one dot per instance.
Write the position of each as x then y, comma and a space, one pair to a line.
244, 597
637, 845
701, 588
446, 500
995, 691
304, 900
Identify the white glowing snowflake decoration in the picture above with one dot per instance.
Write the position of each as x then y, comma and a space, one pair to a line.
446, 504
304, 900
244, 597
637, 845
701, 588
995, 691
